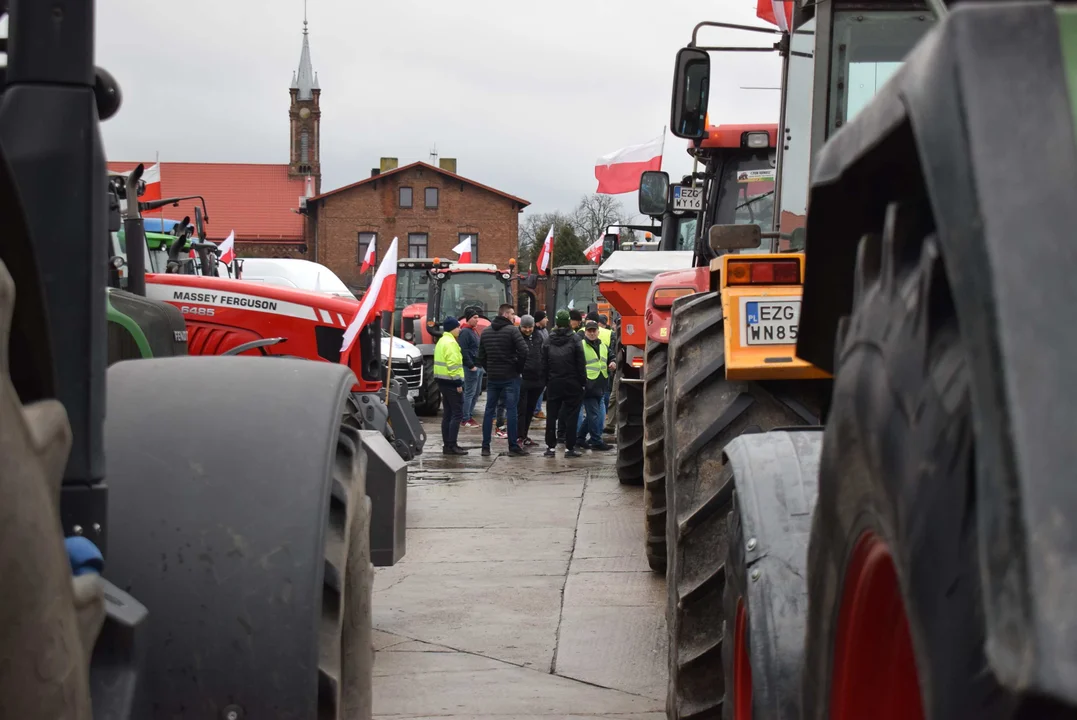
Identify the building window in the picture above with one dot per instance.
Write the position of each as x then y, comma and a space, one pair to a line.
417, 245
365, 238
432, 197
474, 244
405, 197
304, 147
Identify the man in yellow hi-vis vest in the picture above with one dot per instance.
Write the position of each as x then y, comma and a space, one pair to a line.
597, 361
449, 373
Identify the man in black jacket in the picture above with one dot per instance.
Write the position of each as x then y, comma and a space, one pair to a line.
533, 380
503, 353
566, 376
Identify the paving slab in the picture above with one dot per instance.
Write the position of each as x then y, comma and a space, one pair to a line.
473, 510
430, 545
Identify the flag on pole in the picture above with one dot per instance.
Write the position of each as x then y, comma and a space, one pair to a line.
776, 12
464, 250
152, 177
594, 250
545, 253
228, 252
368, 259
619, 171
379, 297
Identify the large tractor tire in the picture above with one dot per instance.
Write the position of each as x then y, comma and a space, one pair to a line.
428, 402
247, 536
654, 454
629, 433
704, 411
893, 558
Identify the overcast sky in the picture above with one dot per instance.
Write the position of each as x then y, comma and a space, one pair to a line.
525, 95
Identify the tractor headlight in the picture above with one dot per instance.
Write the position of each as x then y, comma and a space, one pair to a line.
757, 140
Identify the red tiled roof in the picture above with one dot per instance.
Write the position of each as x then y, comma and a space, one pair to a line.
257, 201
523, 203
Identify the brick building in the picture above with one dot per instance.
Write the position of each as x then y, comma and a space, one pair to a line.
429, 209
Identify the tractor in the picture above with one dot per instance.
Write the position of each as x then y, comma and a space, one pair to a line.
574, 287
429, 290
902, 557
222, 573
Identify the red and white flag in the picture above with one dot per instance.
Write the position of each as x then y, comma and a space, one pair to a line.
776, 12
368, 259
228, 248
542, 262
619, 171
379, 297
594, 250
464, 250
152, 177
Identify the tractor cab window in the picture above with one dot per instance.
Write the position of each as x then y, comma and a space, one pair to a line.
746, 193
575, 292
461, 290
412, 286
686, 232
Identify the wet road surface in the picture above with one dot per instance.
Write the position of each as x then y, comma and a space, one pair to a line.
524, 592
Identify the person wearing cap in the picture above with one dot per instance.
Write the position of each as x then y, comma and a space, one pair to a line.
532, 381
575, 318
544, 335
449, 373
566, 376
469, 348
596, 357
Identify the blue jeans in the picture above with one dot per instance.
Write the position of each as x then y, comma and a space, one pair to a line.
472, 385
595, 412
496, 390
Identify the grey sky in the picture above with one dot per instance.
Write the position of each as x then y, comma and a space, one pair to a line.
525, 95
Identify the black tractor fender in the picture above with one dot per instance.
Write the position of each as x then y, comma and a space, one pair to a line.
218, 507
775, 476
977, 124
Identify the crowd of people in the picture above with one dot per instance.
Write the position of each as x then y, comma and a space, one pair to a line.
524, 363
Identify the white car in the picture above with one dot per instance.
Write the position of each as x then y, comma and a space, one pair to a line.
407, 360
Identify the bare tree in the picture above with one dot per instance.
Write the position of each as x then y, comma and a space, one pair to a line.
594, 214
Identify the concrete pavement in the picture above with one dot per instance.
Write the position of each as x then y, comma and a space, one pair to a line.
524, 593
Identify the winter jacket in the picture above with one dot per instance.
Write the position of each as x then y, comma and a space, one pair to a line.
543, 334
502, 350
562, 360
596, 387
469, 346
534, 375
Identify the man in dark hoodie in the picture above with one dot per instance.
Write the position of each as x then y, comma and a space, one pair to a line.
469, 349
533, 380
503, 353
566, 377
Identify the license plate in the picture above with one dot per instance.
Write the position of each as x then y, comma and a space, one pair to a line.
769, 321
687, 198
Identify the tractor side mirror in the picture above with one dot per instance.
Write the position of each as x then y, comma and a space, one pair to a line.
691, 90
734, 237
531, 281
653, 193
798, 239
609, 243
200, 227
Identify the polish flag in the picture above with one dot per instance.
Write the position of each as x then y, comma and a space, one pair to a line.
368, 259
619, 171
152, 177
463, 250
776, 12
594, 250
379, 297
545, 253
228, 252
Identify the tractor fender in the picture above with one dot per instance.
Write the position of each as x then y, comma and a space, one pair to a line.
219, 474
656, 320
775, 478
1001, 200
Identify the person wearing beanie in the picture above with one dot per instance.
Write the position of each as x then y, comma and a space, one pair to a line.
532, 380
576, 319
449, 374
541, 321
503, 352
469, 347
565, 378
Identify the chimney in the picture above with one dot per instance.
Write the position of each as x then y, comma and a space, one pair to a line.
374, 172
448, 164
388, 164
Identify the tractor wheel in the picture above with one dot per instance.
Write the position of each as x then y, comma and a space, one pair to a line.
429, 401
629, 433
346, 647
704, 411
893, 561
654, 456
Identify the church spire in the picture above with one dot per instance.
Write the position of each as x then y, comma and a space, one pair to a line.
304, 80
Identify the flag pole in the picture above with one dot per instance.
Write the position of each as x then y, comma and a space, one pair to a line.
389, 367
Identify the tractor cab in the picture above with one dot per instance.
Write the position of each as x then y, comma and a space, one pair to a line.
463, 286
413, 282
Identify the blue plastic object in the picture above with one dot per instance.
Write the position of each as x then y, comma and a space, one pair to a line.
85, 557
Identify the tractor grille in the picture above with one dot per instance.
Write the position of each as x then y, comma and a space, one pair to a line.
412, 375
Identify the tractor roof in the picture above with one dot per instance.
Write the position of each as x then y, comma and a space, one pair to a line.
575, 270
730, 137
474, 267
